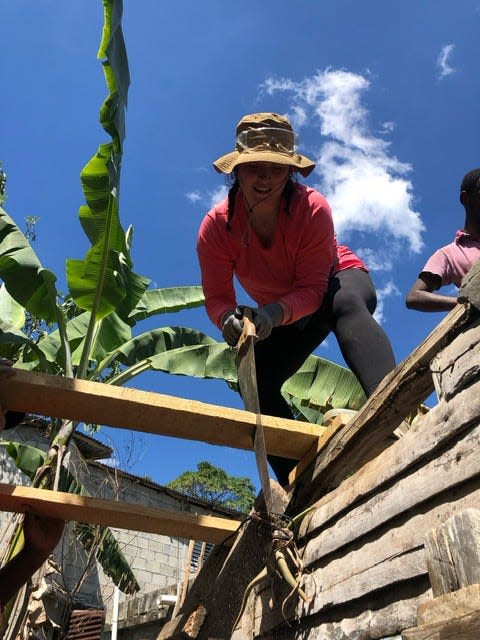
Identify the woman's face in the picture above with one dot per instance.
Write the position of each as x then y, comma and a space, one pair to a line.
262, 180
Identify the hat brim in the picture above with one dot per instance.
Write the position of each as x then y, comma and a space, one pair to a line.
228, 162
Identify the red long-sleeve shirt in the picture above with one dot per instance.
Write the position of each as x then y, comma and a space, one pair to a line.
293, 271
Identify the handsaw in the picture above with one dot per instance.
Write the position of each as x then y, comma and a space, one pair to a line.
247, 381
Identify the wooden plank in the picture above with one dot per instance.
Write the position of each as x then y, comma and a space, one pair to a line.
453, 552
458, 364
126, 408
375, 618
226, 591
389, 563
450, 605
470, 289
247, 381
122, 515
453, 467
459, 628
389, 474
397, 396
329, 593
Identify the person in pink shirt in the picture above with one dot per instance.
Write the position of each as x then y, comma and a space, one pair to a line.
449, 264
276, 237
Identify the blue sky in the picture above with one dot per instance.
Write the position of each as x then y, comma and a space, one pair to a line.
383, 95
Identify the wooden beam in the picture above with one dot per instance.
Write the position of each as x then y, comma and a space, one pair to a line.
459, 628
93, 402
123, 515
450, 605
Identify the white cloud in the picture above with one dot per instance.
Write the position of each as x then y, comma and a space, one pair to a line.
378, 260
366, 186
193, 196
217, 195
383, 294
443, 60
208, 198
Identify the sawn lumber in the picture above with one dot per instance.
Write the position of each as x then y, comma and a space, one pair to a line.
123, 515
97, 403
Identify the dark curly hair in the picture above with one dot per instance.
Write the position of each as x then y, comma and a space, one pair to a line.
287, 194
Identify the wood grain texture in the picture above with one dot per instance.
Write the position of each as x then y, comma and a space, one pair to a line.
397, 396
126, 408
123, 515
450, 605
465, 627
453, 552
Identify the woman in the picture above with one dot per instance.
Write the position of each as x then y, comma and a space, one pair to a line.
277, 238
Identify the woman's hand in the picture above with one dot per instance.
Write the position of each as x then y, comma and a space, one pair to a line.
232, 326
267, 318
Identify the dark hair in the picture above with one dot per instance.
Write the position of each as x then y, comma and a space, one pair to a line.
232, 193
471, 181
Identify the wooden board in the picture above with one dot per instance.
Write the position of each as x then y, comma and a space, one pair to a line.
126, 408
386, 475
453, 552
122, 515
459, 628
450, 605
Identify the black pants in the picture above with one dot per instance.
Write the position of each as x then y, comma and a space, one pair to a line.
347, 312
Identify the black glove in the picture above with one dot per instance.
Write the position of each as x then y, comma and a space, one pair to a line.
266, 318
232, 326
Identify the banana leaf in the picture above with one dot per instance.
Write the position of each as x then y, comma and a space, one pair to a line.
199, 361
176, 350
104, 282
25, 279
323, 385
108, 555
168, 300
11, 312
28, 459
103, 279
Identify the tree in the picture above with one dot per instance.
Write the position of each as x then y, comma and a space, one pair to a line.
213, 485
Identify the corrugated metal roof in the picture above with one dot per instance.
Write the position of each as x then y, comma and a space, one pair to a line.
86, 624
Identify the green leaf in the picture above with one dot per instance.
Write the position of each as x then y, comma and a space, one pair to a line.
25, 279
11, 312
108, 554
213, 485
176, 350
158, 341
200, 361
27, 458
99, 283
324, 385
168, 300
76, 329
112, 333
